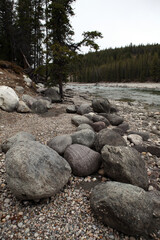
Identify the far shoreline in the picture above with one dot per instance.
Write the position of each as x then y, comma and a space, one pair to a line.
148, 85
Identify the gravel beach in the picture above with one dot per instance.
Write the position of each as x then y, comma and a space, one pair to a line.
67, 215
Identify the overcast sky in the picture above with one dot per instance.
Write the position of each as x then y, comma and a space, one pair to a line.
120, 21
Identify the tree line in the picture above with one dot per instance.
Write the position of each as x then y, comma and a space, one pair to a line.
131, 63
37, 34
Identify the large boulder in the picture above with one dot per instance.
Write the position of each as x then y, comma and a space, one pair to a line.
77, 120
101, 105
84, 108
19, 137
84, 137
60, 143
8, 99
83, 160
53, 95
127, 208
108, 137
124, 164
35, 171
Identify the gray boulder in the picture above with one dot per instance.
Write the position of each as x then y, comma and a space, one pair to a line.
19, 137
84, 126
8, 99
35, 171
108, 137
98, 126
29, 100
77, 120
124, 164
84, 137
144, 135
71, 109
39, 106
23, 108
124, 126
98, 118
154, 150
101, 105
60, 143
84, 108
19, 89
135, 139
127, 208
53, 95
114, 119
83, 160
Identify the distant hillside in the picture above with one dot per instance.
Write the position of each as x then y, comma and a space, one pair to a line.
132, 63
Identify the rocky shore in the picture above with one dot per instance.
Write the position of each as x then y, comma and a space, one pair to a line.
68, 214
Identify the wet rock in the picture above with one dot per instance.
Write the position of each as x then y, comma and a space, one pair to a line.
108, 137
83, 160
19, 137
35, 171
124, 164
84, 137
60, 143
127, 208
101, 105
77, 120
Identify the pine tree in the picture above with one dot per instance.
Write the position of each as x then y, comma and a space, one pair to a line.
7, 46
61, 48
24, 33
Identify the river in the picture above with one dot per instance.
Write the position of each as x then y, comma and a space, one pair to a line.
148, 93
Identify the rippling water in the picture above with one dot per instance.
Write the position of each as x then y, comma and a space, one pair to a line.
145, 95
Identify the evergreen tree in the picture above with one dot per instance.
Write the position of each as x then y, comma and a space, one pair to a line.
7, 46
24, 33
61, 48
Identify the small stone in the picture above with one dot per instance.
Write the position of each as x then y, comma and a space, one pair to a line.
101, 172
20, 224
151, 188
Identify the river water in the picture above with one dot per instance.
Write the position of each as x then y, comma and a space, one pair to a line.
144, 93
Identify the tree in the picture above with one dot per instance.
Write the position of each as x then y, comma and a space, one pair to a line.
61, 48
7, 46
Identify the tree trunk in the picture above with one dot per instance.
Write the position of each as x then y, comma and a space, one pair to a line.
61, 88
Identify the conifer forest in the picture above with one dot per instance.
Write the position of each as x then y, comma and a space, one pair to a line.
37, 34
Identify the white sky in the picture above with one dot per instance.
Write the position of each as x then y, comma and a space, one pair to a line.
120, 21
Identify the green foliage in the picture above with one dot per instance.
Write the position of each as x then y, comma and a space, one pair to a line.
132, 63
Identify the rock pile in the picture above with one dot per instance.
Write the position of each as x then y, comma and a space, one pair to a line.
9, 100
102, 142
